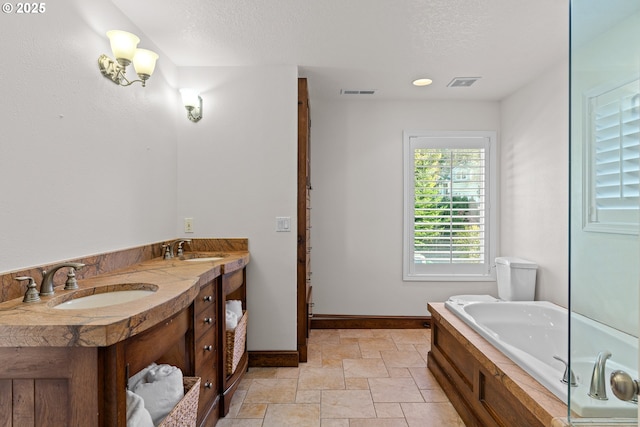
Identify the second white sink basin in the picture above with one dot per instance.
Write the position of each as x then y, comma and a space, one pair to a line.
104, 299
211, 258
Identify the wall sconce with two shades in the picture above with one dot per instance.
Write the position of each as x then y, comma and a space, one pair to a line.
124, 46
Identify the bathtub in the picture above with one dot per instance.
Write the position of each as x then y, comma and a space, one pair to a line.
531, 333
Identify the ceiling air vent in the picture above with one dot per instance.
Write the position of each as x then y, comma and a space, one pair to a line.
357, 92
463, 81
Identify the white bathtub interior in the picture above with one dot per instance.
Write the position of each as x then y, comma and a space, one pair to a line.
532, 333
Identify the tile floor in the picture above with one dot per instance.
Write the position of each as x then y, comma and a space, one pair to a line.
353, 378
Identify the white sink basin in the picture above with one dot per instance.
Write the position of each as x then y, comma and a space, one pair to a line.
211, 258
104, 299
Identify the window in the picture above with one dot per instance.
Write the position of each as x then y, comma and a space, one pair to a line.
612, 163
449, 191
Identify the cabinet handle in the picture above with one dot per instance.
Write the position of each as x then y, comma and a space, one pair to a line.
207, 298
208, 384
208, 320
208, 347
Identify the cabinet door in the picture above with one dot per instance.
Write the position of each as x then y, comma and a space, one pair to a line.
48, 386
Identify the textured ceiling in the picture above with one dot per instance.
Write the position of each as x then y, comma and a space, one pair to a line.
367, 44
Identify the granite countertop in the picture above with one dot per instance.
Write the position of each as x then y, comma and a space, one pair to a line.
176, 283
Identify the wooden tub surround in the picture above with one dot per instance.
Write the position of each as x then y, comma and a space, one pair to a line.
70, 367
485, 386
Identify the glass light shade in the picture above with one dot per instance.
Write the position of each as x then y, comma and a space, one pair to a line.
123, 44
190, 98
422, 82
144, 61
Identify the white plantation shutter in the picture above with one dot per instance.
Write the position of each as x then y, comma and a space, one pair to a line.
448, 220
613, 161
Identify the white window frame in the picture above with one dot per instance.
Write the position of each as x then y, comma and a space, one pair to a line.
609, 219
413, 271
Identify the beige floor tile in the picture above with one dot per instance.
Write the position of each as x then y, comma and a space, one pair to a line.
424, 378
347, 404
292, 415
340, 351
321, 379
370, 354
236, 422
423, 349
308, 396
388, 410
330, 422
431, 415
403, 359
364, 368
252, 410
272, 391
355, 333
406, 347
261, 373
379, 422
411, 336
288, 372
394, 390
434, 395
356, 383
369, 344
319, 336
399, 372
236, 402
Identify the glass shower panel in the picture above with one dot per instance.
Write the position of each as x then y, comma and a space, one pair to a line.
605, 207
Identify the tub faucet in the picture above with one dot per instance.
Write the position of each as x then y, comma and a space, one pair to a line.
46, 288
597, 389
568, 377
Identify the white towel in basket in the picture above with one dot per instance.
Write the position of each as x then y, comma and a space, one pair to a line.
137, 414
162, 390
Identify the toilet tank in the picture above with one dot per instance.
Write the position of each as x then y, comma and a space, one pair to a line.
516, 279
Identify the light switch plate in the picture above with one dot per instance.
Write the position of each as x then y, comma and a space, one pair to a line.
188, 225
283, 223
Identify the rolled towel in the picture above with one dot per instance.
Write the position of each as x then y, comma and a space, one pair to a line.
236, 307
162, 391
140, 376
137, 414
231, 320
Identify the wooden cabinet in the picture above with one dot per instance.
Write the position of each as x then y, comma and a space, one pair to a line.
48, 387
233, 288
304, 221
206, 352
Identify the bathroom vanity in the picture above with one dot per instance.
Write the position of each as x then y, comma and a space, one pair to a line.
70, 367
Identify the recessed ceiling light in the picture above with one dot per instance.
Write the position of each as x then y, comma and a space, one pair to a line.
422, 82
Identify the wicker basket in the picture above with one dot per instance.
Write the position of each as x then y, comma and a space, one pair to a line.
236, 340
185, 413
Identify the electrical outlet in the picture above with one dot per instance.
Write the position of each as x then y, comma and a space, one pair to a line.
188, 225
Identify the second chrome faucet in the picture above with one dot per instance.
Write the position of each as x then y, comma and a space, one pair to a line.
597, 390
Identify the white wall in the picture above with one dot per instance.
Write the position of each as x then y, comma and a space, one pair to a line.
356, 216
534, 180
87, 166
237, 171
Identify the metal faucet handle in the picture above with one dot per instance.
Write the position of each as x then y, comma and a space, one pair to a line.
31, 295
568, 377
166, 249
624, 387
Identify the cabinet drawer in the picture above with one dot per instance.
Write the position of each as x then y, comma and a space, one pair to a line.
206, 299
206, 369
204, 322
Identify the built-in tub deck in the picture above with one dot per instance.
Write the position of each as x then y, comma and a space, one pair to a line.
485, 386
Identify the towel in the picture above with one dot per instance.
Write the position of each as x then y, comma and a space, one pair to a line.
162, 390
231, 320
137, 414
139, 377
236, 307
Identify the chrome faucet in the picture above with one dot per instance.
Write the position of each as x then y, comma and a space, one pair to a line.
170, 249
568, 377
46, 288
597, 389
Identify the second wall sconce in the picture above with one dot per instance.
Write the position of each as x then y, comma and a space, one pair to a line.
193, 103
124, 46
